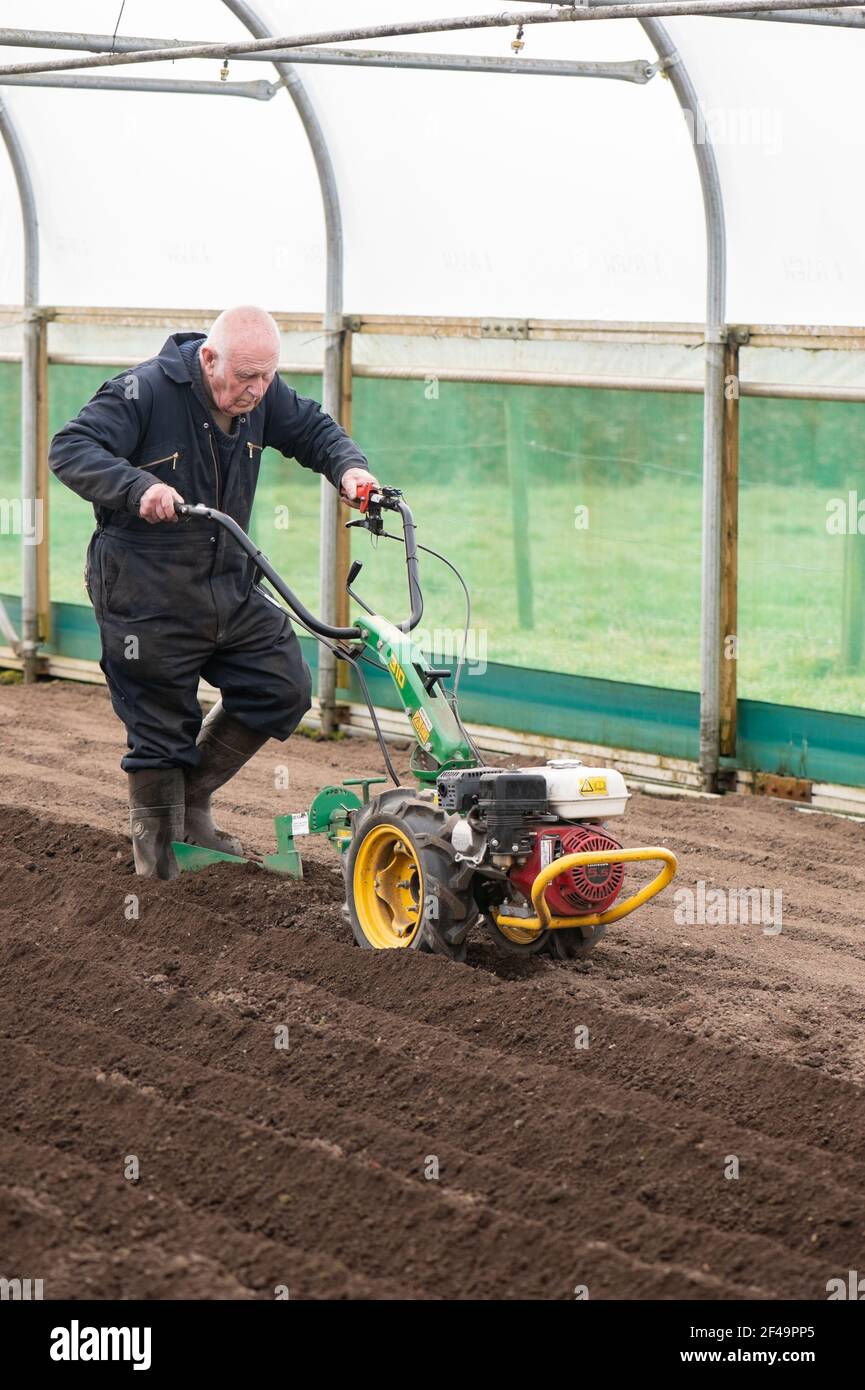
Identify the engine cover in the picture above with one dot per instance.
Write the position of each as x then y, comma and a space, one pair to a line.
500, 790
587, 888
508, 799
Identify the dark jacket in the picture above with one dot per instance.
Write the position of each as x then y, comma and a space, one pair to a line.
146, 425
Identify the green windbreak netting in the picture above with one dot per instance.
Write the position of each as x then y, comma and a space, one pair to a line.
285, 488
574, 516
10, 475
801, 558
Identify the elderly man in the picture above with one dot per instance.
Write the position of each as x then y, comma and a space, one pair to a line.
176, 602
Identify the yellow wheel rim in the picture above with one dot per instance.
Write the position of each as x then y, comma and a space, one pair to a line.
388, 888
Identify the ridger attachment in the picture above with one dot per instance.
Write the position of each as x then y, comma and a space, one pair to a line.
525, 852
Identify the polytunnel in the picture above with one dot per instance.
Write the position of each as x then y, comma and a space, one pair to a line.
589, 290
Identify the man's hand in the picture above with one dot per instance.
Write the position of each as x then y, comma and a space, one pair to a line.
157, 503
350, 481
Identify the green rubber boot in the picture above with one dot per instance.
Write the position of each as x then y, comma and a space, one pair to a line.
155, 819
226, 745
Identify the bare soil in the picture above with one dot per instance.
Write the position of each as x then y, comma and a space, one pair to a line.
152, 1040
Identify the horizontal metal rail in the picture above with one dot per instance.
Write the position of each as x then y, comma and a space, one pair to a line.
823, 16
816, 16
639, 70
257, 91
814, 337
669, 385
561, 14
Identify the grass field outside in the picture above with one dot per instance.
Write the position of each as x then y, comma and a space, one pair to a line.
574, 518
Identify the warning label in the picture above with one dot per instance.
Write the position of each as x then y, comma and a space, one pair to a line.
300, 823
421, 725
593, 786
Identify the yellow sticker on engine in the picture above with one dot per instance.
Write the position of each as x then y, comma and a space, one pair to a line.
593, 786
421, 725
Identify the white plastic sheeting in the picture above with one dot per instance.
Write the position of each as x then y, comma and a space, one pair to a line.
461, 193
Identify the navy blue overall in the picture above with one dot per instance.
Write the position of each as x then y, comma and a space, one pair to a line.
177, 601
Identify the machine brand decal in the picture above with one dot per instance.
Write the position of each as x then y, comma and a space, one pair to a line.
421, 725
396, 671
593, 786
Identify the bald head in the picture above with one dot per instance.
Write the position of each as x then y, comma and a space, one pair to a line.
239, 358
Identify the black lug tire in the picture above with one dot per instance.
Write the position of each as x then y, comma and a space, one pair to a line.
421, 824
569, 943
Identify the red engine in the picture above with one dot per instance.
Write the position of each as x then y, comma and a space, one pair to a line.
587, 888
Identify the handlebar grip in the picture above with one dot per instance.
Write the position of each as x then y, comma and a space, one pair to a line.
314, 624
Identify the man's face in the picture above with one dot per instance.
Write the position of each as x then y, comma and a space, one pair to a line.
240, 377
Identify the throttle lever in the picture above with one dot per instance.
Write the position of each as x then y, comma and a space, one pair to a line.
354, 570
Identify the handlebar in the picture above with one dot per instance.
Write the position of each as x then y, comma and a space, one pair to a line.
388, 498
391, 498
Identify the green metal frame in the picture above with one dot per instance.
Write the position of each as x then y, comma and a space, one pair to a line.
433, 723
286, 859
430, 715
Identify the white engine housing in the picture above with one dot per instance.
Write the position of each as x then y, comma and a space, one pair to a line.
578, 792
